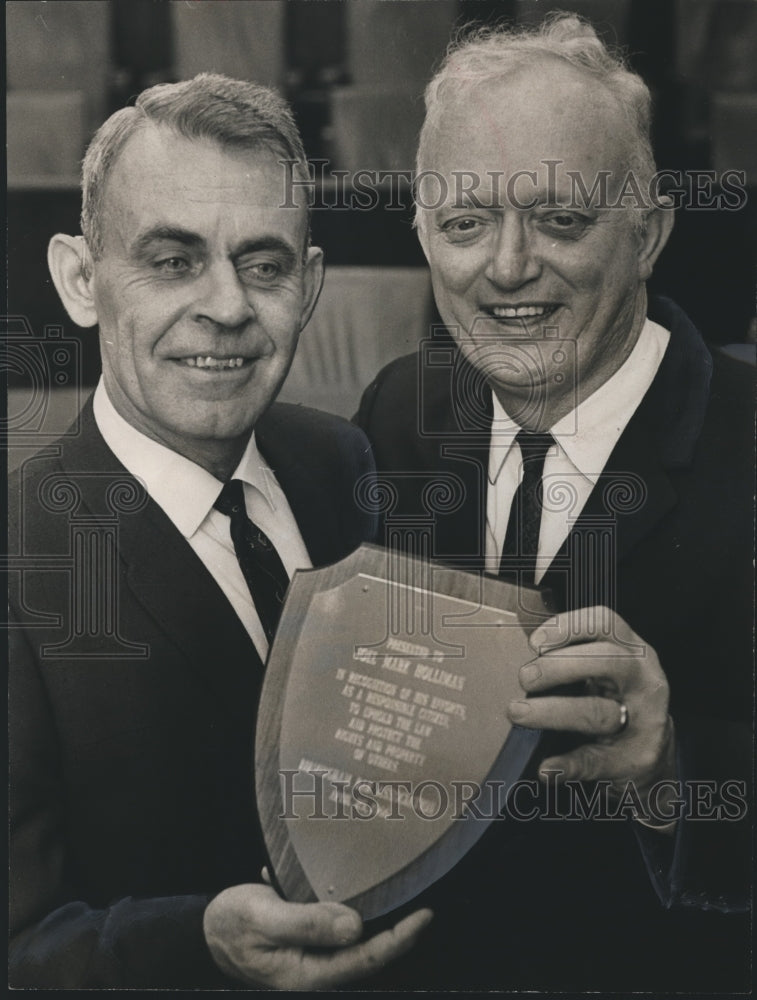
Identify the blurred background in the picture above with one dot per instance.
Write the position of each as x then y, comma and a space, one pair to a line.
354, 71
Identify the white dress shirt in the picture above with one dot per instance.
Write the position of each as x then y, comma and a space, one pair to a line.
186, 492
584, 439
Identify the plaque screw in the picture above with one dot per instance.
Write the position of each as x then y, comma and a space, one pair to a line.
365, 588
331, 890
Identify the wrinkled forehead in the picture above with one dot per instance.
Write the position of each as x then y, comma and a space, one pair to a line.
159, 171
549, 120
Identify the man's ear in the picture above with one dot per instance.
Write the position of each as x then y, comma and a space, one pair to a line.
313, 279
420, 228
70, 266
658, 225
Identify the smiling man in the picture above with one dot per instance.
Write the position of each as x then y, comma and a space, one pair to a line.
585, 440
177, 509
520, 252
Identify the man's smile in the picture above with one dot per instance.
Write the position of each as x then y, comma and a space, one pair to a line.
525, 311
212, 363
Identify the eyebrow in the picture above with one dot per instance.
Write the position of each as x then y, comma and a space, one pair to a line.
485, 200
267, 243
185, 237
165, 234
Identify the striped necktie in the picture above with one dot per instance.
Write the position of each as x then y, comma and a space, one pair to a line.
522, 539
259, 561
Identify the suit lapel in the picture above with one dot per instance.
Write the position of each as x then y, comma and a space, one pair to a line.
313, 510
463, 532
168, 579
192, 610
631, 496
460, 410
635, 489
311, 503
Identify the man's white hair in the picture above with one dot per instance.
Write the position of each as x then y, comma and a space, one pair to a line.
487, 55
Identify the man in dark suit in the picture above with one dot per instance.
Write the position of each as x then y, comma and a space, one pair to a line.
149, 590
592, 445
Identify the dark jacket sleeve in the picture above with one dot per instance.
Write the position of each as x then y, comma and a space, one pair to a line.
58, 940
707, 862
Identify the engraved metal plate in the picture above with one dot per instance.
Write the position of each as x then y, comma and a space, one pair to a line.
383, 750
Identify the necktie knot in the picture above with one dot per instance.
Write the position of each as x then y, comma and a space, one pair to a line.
534, 445
231, 498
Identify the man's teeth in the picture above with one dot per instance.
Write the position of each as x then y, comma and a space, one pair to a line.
516, 312
216, 363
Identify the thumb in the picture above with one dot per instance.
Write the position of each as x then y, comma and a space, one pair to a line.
318, 925
585, 763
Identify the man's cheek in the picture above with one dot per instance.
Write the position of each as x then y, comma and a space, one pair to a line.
454, 278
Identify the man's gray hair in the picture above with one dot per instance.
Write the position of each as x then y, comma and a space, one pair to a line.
234, 113
486, 55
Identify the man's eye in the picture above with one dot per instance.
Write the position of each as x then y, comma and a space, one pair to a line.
565, 223
264, 270
460, 230
172, 265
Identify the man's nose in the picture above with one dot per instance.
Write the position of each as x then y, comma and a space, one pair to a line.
513, 261
222, 298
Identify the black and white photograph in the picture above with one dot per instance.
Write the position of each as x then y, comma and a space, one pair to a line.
380, 442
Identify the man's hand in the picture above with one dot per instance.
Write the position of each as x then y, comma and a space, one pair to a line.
596, 646
258, 938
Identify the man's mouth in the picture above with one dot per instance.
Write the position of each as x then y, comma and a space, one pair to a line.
532, 311
214, 364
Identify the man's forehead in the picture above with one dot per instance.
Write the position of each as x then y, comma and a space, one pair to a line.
548, 110
159, 171
162, 158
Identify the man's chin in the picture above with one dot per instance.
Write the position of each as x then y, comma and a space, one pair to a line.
205, 428
518, 366
221, 433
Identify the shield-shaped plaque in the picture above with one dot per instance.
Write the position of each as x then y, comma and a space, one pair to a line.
383, 749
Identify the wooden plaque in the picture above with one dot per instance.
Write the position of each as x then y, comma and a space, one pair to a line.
383, 749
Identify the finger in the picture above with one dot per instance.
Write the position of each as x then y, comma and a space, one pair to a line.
366, 958
579, 625
590, 762
318, 925
590, 716
582, 663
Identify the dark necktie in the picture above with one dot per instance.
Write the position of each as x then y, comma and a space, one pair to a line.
259, 561
522, 539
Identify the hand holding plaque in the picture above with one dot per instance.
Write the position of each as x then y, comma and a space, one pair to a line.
258, 938
383, 746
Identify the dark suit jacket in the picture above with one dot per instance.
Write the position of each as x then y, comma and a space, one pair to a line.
571, 905
133, 692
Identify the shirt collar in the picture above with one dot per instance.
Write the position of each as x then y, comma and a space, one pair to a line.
504, 429
183, 489
256, 472
588, 434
